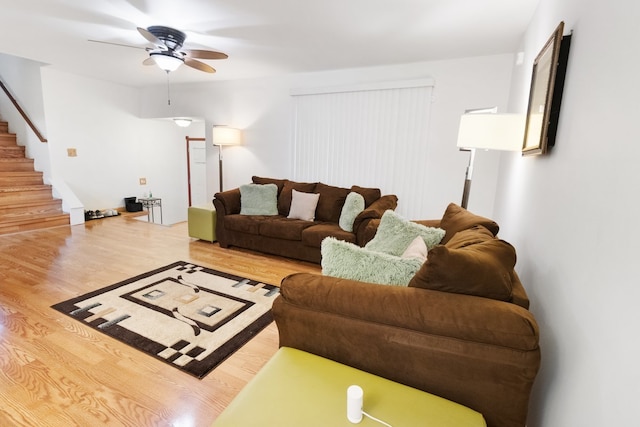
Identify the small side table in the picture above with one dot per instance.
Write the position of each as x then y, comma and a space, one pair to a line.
149, 203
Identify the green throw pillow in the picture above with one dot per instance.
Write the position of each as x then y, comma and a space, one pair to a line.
353, 205
259, 199
348, 261
395, 233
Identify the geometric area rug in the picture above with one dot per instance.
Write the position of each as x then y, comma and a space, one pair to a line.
188, 316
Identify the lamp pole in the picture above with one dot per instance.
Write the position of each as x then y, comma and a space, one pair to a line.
220, 165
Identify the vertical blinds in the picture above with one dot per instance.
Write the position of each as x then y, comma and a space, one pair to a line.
375, 136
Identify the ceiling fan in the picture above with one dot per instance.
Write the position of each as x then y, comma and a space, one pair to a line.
168, 53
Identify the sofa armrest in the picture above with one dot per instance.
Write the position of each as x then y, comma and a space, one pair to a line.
479, 352
446, 314
374, 211
227, 202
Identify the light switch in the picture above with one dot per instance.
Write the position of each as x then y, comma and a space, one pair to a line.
71, 152
143, 181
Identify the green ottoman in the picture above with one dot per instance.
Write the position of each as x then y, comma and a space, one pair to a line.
296, 388
202, 222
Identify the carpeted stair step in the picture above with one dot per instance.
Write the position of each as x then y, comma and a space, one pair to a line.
16, 165
7, 139
16, 195
29, 222
20, 179
12, 152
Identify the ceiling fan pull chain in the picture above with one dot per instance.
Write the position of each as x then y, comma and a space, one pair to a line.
168, 90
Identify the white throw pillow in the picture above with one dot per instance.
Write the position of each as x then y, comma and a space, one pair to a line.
303, 205
417, 249
353, 205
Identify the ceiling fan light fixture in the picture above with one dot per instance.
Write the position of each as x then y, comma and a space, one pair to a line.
167, 61
182, 122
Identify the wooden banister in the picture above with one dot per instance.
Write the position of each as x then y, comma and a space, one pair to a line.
22, 113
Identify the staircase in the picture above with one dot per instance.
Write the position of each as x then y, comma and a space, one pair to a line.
26, 203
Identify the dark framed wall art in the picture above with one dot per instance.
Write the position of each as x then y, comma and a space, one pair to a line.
545, 94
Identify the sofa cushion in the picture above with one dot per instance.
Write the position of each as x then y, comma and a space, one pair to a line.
284, 199
353, 205
349, 261
395, 233
259, 199
331, 201
457, 218
261, 180
249, 224
484, 268
284, 228
370, 194
303, 205
314, 235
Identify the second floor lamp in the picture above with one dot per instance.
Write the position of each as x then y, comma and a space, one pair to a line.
223, 135
503, 132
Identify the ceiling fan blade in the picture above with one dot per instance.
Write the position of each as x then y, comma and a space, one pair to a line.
117, 44
204, 54
150, 37
199, 65
149, 61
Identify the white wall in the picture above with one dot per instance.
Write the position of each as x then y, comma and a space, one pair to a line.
119, 138
572, 216
263, 108
22, 77
114, 146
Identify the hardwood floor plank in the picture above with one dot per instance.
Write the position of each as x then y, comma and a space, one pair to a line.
55, 371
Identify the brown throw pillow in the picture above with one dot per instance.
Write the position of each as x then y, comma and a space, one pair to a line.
278, 182
330, 203
471, 236
457, 218
370, 194
482, 269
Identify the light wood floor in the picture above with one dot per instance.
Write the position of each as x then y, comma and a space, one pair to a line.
54, 371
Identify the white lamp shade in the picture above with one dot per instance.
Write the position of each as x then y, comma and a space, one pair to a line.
166, 61
492, 131
223, 135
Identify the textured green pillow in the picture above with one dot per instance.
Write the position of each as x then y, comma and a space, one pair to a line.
353, 205
259, 199
349, 261
395, 233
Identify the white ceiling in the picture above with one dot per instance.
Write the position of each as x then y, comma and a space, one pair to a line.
261, 37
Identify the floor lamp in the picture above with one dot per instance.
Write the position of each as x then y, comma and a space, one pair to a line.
503, 132
223, 135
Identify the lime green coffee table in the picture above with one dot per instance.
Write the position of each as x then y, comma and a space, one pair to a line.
296, 388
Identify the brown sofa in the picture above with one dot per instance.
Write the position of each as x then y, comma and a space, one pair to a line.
295, 238
460, 330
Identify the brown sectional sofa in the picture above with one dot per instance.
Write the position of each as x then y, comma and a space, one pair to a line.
295, 238
460, 330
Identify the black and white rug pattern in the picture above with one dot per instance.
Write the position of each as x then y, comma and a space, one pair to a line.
189, 316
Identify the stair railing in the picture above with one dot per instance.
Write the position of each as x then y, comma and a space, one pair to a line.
22, 113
